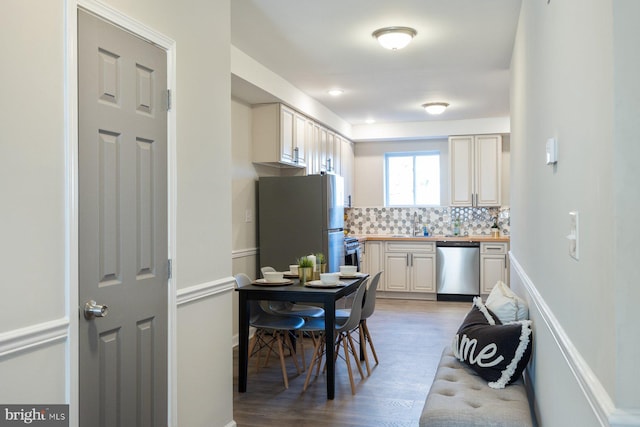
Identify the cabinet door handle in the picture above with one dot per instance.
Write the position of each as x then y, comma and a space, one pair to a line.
295, 154
411, 260
407, 260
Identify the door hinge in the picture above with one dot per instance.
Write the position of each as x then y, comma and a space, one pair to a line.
168, 99
169, 269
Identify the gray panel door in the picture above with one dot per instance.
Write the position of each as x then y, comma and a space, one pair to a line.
122, 137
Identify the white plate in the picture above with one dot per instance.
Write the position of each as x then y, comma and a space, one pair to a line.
319, 284
351, 276
263, 282
290, 274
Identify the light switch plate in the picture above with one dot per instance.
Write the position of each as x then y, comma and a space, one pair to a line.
248, 215
552, 151
574, 223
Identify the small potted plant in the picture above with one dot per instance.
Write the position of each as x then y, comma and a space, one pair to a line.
305, 269
495, 228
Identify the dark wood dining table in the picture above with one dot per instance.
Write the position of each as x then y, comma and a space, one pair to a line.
298, 293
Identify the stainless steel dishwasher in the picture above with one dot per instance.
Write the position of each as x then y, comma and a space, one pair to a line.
457, 270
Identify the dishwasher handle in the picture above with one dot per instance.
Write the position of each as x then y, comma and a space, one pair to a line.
457, 244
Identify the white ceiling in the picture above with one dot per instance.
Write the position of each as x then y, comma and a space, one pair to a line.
461, 55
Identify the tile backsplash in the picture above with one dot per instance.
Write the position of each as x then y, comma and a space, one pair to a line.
439, 220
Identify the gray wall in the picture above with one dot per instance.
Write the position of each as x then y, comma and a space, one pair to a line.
38, 337
573, 68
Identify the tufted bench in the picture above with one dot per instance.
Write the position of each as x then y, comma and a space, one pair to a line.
459, 397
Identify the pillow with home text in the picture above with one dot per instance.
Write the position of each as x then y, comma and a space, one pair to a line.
495, 351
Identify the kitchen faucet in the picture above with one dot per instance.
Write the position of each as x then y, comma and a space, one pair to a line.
415, 226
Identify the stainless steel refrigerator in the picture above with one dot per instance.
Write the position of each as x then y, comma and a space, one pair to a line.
298, 216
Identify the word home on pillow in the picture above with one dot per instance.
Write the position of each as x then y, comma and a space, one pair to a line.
495, 351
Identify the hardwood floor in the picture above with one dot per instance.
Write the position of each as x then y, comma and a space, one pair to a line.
408, 336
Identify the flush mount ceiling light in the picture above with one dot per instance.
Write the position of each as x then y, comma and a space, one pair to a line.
435, 107
394, 38
336, 92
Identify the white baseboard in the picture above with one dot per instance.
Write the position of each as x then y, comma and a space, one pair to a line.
594, 392
235, 341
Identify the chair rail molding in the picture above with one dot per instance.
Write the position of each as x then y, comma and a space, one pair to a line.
204, 290
242, 253
34, 336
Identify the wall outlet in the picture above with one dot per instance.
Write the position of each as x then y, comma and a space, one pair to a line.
248, 215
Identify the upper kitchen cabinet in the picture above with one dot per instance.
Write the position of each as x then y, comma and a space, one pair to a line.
328, 151
475, 170
313, 154
279, 136
298, 149
336, 155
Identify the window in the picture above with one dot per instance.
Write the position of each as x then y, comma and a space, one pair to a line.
412, 179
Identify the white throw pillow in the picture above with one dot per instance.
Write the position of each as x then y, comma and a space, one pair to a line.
508, 306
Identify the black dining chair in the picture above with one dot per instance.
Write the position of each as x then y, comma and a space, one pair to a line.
288, 308
271, 330
368, 307
343, 329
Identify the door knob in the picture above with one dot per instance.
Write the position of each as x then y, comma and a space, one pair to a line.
91, 310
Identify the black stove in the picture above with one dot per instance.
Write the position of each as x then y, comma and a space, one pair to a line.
351, 244
352, 251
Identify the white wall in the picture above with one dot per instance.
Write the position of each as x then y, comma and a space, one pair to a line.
569, 71
244, 177
626, 199
248, 69
429, 129
243, 188
32, 177
36, 290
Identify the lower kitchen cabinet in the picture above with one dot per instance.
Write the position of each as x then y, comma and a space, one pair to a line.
410, 267
423, 272
372, 260
396, 268
493, 265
